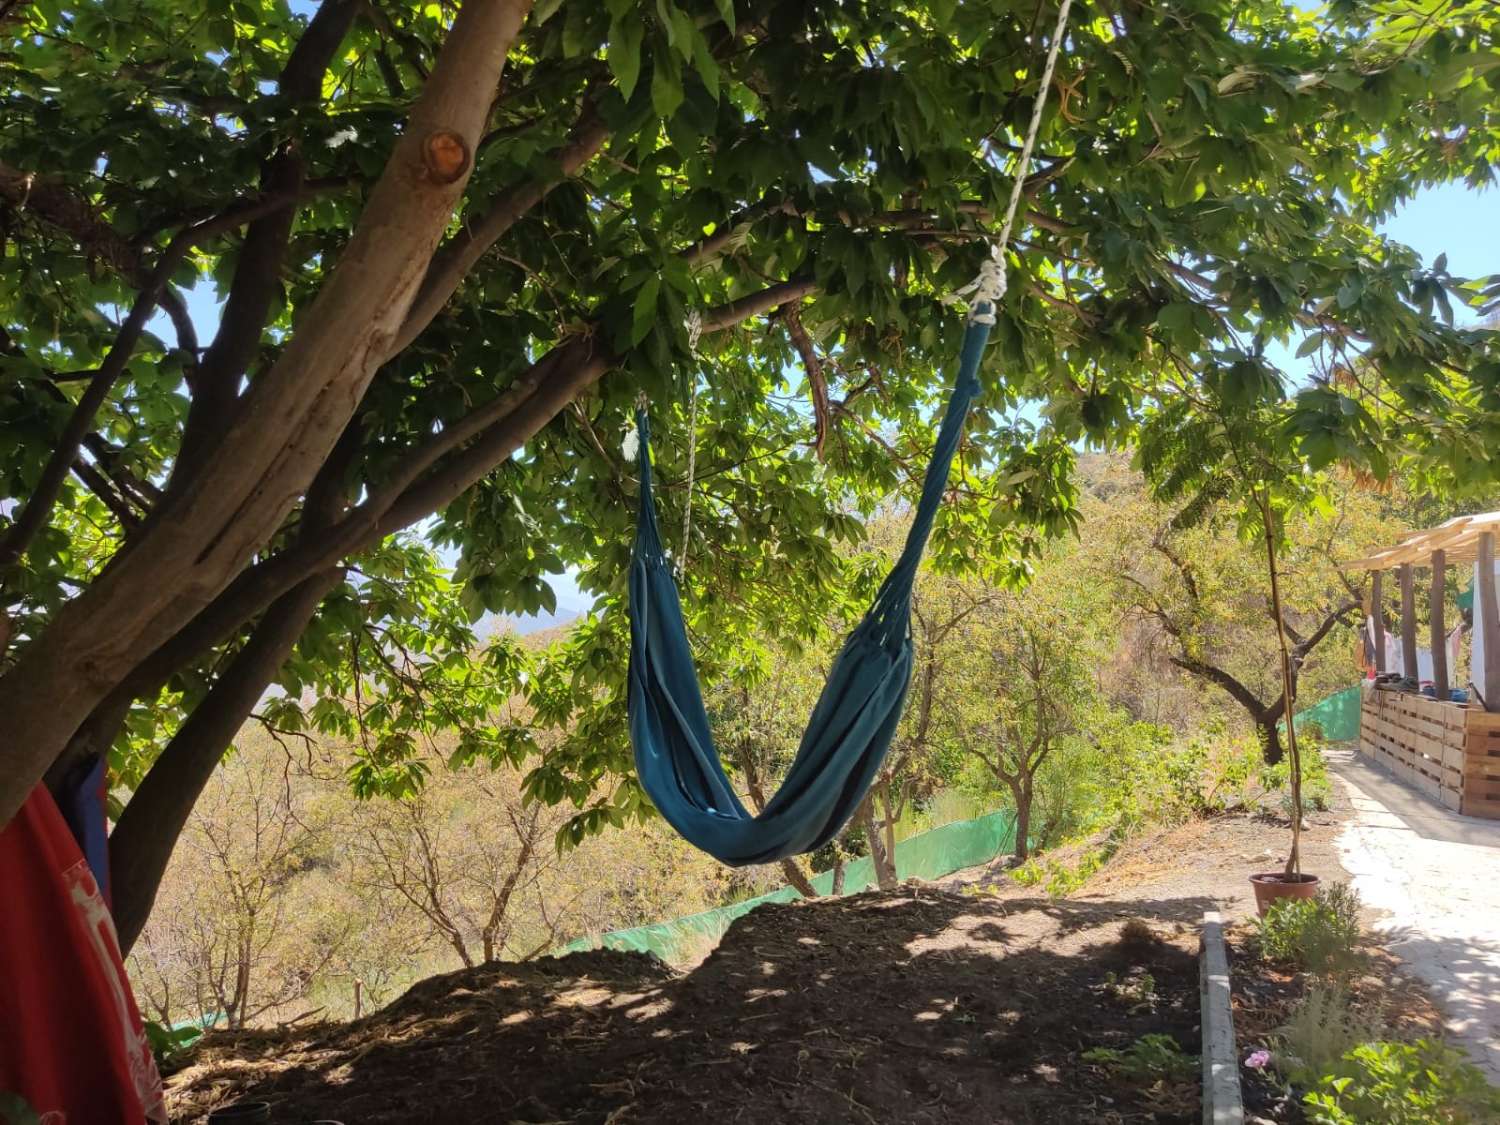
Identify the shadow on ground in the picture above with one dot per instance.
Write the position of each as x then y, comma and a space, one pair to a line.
907, 1006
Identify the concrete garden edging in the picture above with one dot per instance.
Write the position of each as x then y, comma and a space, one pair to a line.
1222, 1104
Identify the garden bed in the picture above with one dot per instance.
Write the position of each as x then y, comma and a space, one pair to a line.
908, 1006
1266, 997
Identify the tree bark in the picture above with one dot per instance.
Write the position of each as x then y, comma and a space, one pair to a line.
885, 867
257, 271
200, 539
1022, 795
1269, 729
146, 835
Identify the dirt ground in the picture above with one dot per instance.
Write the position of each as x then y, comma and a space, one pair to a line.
968, 1001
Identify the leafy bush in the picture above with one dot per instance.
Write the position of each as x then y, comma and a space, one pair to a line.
1420, 1083
1323, 1028
1151, 1058
1319, 935
1317, 789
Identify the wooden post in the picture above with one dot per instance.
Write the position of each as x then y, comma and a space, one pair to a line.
1488, 619
1408, 624
1377, 615
1439, 633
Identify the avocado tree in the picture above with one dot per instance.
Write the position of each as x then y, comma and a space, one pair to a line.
453, 243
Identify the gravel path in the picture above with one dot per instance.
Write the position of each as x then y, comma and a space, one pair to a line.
1435, 875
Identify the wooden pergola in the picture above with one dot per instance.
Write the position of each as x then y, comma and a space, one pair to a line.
1450, 751
1463, 539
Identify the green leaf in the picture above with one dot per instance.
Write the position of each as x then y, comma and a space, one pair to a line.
643, 318
726, 12
1313, 342
666, 84
1176, 317
624, 53
706, 65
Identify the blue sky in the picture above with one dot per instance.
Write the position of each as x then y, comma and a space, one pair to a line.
1455, 220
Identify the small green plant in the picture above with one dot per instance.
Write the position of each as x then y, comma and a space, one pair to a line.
1319, 935
1136, 991
1151, 1058
1420, 1083
1323, 1028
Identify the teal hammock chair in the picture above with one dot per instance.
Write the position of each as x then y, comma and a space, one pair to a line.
856, 716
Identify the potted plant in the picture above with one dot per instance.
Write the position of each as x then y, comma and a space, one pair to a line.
1232, 436
1291, 881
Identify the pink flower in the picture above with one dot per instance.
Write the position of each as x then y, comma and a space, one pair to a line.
1258, 1059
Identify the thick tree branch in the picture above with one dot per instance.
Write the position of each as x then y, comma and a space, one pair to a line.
1216, 675
200, 539
147, 832
99, 485
257, 272
1335, 616
33, 517
498, 430
59, 206
452, 263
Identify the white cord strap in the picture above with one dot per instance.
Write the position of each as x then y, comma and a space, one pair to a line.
987, 290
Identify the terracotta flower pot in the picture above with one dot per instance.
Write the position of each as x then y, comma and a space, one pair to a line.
1272, 885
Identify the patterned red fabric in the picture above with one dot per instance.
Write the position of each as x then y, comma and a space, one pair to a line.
71, 1041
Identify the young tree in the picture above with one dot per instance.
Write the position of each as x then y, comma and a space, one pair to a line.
246, 933
176, 510
1026, 682
468, 856
1191, 574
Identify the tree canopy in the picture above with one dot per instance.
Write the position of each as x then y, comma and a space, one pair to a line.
453, 247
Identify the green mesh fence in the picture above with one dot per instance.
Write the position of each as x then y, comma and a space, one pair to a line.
929, 855
1338, 715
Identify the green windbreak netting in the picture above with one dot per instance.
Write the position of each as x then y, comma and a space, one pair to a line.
1338, 715
941, 851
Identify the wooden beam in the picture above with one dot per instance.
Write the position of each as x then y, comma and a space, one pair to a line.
1408, 623
1439, 633
1488, 618
1377, 615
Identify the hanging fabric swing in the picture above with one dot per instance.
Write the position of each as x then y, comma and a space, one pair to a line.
856, 716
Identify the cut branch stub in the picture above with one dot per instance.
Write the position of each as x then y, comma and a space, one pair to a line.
446, 155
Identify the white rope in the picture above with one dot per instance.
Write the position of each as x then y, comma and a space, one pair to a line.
989, 287
694, 334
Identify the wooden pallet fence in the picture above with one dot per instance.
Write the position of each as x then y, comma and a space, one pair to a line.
1447, 751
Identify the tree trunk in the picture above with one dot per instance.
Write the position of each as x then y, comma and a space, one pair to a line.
798, 878
1269, 730
885, 867
284, 430
1022, 796
147, 832
1288, 689
888, 821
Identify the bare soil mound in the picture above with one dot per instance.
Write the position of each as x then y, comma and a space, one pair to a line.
918, 1005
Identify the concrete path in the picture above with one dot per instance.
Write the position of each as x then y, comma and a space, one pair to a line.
1435, 875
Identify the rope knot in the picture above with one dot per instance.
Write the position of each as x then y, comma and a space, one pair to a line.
987, 290
694, 324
